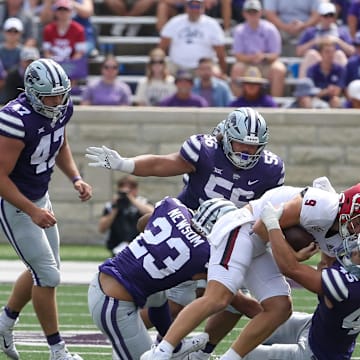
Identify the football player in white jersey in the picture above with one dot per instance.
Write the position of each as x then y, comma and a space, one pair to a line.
239, 256
330, 333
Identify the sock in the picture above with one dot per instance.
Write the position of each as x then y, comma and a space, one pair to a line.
231, 355
160, 317
11, 314
165, 347
209, 348
54, 339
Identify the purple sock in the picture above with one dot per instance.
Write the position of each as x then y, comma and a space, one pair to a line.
161, 318
54, 339
11, 314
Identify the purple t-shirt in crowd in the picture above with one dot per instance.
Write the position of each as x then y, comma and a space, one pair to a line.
193, 101
334, 30
262, 101
266, 38
336, 76
352, 69
100, 93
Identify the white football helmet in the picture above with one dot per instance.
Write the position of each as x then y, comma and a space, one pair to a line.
209, 212
45, 77
348, 252
246, 126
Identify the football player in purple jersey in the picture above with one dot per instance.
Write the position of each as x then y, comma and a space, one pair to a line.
168, 252
32, 140
331, 332
233, 165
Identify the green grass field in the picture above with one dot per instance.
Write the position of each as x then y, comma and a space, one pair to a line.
75, 319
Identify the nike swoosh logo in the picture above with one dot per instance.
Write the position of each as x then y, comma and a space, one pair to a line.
252, 182
6, 346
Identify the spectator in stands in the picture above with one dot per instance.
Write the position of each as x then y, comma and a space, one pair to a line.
305, 95
11, 46
308, 43
3, 75
353, 64
291, 18
216, 91
82, 10
192, 36
353, 18
257, 42
14, 83
353, 95
108, 90
342, 9
64, 38
327, 75
253, 90
15, 8
184, 96
128, 8
158, 83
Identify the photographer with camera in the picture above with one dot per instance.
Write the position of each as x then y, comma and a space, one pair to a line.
120, 216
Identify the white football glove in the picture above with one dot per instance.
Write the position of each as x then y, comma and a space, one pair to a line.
109, 159
270, 216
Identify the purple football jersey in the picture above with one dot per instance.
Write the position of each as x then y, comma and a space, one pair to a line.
42, 141
215, 176
166, 254
333, 331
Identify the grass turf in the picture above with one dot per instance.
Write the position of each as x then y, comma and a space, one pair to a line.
74, 316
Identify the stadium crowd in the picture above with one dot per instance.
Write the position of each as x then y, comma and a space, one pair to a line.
197, 37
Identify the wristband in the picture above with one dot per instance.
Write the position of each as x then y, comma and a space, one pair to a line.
76, 178
128, 166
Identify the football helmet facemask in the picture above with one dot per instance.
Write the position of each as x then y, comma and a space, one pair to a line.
209, 212
348, 254
246, 126
349, 211
45, 77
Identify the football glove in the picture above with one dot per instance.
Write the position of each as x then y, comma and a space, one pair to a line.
270, 216
109, 159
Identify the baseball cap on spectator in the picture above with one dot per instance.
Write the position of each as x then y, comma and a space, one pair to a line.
353, 90
305, 87
29, 53
252, 76
66, 4
252, 5
326, 8
184, 75
13, 23
357, 39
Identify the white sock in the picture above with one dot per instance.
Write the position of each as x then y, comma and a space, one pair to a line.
165, 347
231, 355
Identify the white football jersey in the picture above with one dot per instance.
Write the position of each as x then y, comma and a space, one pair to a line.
318, 212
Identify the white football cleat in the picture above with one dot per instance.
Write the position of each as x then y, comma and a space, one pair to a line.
60, 352
152, 354
189, 345
7, 344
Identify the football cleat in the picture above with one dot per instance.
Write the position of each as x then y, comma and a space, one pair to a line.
152, 354
60, 352
189, 345
7, 344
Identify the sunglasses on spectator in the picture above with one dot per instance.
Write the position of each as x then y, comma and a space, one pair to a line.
195, 5
112, 67
252, 11
62, 9
13, 31
157, 62
329, 15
